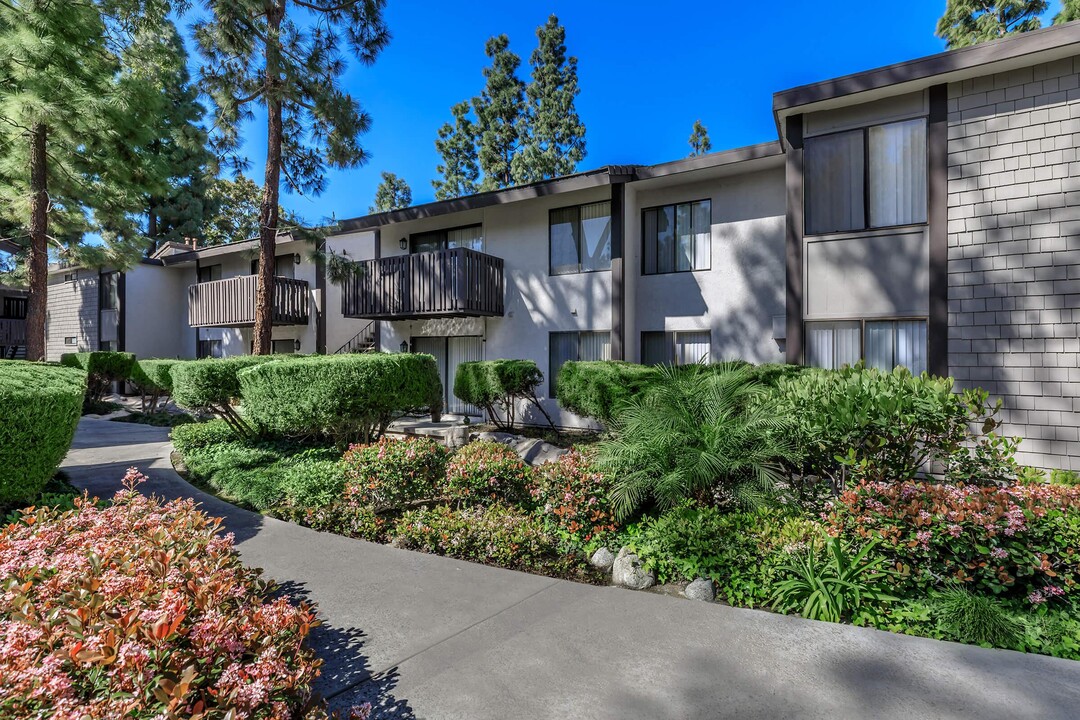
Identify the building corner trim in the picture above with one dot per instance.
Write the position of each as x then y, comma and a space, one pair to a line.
937, 139
618, 272
794, 241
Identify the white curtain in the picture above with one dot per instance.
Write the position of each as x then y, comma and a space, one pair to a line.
692, 347
832, 344
834, 182
911, 345
702, 222
594, 346
898, 173
596, 236
460, 350
880, 345
684, 234
466, 237
564, 241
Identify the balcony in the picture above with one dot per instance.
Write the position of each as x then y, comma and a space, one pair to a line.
458, 282
231, 302
12, 332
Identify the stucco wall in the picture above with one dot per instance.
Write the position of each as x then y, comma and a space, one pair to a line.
340, 329
155, 312
1014, 251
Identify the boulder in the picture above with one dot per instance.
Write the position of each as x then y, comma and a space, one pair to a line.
602, 560
500, 437
700, 589
629, 572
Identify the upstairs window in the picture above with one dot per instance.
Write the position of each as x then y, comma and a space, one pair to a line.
867, 178
110, 290
209, 273
580, 238
677, 238
471, 237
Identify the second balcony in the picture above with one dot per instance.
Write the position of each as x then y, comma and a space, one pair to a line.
231, 302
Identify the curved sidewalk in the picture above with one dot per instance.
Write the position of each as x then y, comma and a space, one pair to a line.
429, 637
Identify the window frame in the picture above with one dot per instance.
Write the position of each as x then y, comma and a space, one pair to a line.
675, 243
210, 268
671, 340
209, 341
862, 329
109, 287
867, 227
71, 341
580, 239
445, 232
551, 374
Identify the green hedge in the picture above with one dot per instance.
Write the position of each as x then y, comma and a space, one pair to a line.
39, 409
211, 384
153, 376
597, 389
101, 367
497, 385
344, 397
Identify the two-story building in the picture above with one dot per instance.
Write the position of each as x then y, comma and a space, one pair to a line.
924, 214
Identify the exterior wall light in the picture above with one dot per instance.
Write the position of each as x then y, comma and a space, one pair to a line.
296, 258
403, 244
404, 346
296, 343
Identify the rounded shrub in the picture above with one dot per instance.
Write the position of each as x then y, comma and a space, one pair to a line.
393, 472
343, 397
39, 410
192, 436
598, 389
210, 384
101, 368
153, 376
573, 497
484, 472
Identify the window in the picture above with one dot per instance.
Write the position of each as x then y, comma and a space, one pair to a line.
282, 347
209, 273
108, 346
579, 238
675, 348
71, 340
110, 290
677, 238
284, 266
69, 277
471, 236
883, 344
209, 349
566, 346
868, 178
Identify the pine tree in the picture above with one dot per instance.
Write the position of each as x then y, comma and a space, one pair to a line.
498, 112
699, 139
233, 211
553, 136
460, 170
393, 193
284, 55
969, 22
75, 124
1070, 10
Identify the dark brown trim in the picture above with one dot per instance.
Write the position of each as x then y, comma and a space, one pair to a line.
793, 240
674, 247
937, 140
618, 272
710, 160
377, 255
121, 312
1059, 37
320, 311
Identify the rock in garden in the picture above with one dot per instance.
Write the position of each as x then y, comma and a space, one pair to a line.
500, 437
700, 589
629, 572
602, 560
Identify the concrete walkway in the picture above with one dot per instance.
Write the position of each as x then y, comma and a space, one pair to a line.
428, 637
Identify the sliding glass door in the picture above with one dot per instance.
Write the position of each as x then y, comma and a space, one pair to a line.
449, 353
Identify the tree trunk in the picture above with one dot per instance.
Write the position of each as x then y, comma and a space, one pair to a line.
268, 213
151, 224
38, 266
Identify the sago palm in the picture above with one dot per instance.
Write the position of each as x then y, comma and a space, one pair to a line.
695, 430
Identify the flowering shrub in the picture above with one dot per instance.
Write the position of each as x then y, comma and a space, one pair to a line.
1020, 540
495, 535
346, 517
393, 472
143, 610
483, 472
573, 497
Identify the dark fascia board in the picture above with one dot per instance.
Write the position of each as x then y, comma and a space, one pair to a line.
711, 160
217, 250
950, 61
567, 183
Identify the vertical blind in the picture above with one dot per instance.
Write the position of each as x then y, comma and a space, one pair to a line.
691, 347
833, 344
596, 236
467, 237
898, 173
680, 348
896, 343
569, 346
460, 350
580, 238
678, 238
834, 182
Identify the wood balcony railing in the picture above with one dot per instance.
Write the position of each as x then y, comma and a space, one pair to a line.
231, 302
12, 331
458, 282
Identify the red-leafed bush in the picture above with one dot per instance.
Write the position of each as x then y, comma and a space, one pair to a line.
1021, 540
573, 497
393, 472
484, 472
140, 610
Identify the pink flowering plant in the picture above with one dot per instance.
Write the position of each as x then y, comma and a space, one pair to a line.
485, 472
393, 472
572, 497
142, 609
1019, 541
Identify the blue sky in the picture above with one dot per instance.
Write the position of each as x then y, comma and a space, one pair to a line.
647, 71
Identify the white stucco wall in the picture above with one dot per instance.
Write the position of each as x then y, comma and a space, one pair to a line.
155, 312
340, 329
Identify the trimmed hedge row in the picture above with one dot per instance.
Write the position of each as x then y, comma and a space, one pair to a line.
344, 397
211, 384
597, 389
153, 376
101, 368
40, 406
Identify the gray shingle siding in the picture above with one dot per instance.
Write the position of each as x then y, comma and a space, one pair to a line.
73, 312
1014, 251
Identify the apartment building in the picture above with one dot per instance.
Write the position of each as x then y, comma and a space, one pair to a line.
924, 214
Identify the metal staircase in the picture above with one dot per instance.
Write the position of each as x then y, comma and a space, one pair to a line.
362, 342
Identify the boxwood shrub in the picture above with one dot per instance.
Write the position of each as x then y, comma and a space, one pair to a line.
39, 409
212, 385
101, 368
342, 397
153, 379
597, 389
497, 386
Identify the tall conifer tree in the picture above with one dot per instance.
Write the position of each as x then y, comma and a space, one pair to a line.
460, 168
699, 139
393, 193
969, 22
498, 112
284, 55
553, 136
